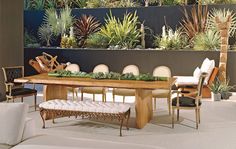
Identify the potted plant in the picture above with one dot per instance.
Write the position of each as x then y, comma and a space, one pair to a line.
216, 88
225, 90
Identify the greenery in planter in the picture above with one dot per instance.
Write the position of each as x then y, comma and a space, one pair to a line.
218, 2
45, 34
210, 40
110, 75
171, 39
96, 40
195, 21
110, 3
84, 27
123, 33
216, 86
30, 40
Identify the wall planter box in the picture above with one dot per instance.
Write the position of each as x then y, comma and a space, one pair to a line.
181, 62
154, 17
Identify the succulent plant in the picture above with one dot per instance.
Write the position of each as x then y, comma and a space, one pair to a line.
128, 76
96, 41
145, 77
84, 27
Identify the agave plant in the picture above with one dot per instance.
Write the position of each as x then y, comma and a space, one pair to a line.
122, 33
95, 3
84, 27
210, 40
51, 18
195, 22
45, 34
65, 20
96, 40
79, 3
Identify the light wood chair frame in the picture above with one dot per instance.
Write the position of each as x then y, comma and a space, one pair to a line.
198, 97
10, 86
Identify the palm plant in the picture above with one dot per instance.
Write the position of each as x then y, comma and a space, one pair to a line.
210, 40
45, 34
122, 33
195, 22
84, 27
225, 22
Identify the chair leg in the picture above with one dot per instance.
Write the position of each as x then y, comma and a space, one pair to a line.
196, 113
93, 97
105, 97
199, 116
177, 114
113, 96
35, 102
173, 117
155, 103
123, 99
169, 105
82, 96
22, 99
7, 99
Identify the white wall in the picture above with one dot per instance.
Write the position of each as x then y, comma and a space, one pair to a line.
11, 35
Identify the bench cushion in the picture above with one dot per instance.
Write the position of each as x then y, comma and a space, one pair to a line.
85, 106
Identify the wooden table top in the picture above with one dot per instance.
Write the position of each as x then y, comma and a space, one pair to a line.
73, 81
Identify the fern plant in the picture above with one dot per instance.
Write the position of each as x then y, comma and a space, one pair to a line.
210, 40
84, 27
123, 33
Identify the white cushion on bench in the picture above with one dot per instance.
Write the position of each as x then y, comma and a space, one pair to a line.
187, 80
85, 106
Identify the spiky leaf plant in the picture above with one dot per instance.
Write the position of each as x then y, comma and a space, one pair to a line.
79, 3
66, 19
84, 27
123, 33
51, 18
210, 40
222, 15
45, 34
95, 3
195, 21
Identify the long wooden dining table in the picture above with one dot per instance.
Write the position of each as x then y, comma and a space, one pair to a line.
56, 88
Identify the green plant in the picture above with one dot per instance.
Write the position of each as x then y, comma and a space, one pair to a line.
128, 76
96, 40
58, 23
79, 3
195, 22
216, 86
122, 33
68, 42
95, 3
34, 4
45, 34
126, 3
171, 39
84, 27
145, 77
218, 1
222, 15
210, 40
30, 40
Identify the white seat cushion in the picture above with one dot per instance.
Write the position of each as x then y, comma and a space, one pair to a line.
197, 73
13, 117
187, 80
207, 66
86, 106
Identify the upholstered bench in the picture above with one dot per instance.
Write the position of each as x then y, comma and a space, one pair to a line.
86, 109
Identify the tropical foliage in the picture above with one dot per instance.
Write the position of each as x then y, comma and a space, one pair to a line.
85, 26
124, 33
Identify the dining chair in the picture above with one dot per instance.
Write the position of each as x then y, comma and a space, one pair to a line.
73, 68
17, 90
162, 71
190, 101
122, 91
96, 90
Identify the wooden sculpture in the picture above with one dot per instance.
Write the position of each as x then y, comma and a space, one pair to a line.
46, 63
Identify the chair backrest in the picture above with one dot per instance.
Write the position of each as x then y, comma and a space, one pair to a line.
131, 69
162, 71
73, 68
201, 83
11, 73
101, 68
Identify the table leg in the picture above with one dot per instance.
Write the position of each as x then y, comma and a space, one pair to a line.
54, 92
143, 107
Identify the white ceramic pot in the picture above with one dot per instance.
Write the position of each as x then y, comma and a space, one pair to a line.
215, 97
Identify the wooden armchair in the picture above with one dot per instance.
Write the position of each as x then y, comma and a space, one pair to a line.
16, 90
191, 101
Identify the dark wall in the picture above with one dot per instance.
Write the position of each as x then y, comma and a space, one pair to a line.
153, 17
181, 62
11, 36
